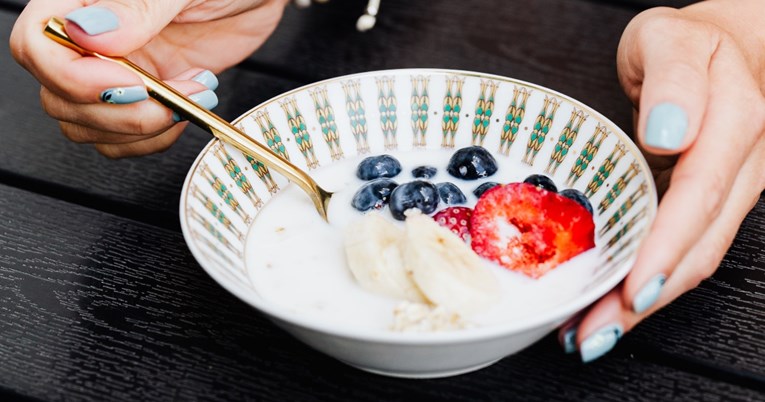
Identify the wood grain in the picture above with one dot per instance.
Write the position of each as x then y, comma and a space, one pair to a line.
98, 307
725, 316
569, 46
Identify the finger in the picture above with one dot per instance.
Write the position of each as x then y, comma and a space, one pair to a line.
85, 135
663, 63
137, 118
56, 67
159, 143
610, 317
119, 27
567, 332
702, 179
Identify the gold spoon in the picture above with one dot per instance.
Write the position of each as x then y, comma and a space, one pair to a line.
205, 119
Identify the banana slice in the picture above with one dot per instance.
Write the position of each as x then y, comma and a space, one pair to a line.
420, 317
373, 252
445, 269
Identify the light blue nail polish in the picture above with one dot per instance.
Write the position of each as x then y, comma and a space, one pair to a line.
207, 99
94, 20
208, 79
569, 340
600, 342
666, 127
648, 295
124, 95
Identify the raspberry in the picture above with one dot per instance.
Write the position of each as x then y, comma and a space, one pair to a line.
528, 229
456, 219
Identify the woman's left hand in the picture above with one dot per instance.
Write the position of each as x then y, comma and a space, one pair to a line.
695, 77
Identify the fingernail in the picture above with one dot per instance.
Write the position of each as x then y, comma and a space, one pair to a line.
600, 342
208, 79
94, 20
648, 295
207, 99
569, 340
125, 95
666, 126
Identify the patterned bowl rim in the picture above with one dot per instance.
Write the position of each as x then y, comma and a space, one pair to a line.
553, 315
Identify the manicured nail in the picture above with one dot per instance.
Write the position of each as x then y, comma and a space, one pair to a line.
94, 20
569, 340
207, 99
208, 79
124, 95
648, 295
600, 342
666, 126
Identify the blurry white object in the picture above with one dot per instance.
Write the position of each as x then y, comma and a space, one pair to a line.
364, 23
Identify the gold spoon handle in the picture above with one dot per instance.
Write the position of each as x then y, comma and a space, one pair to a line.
203, 118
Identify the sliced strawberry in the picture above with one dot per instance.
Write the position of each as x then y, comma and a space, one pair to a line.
456, 219
528, 229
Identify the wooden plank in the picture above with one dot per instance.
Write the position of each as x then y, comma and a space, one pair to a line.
148, 187
569, 46
13, 5
725, 316
100, 307
36, 156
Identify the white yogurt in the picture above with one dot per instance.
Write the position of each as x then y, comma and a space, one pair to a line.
297, 261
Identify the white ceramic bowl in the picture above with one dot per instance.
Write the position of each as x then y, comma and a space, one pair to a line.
420, 109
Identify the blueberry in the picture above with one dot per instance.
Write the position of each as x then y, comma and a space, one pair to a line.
374, 194
424, 172
378, 166
484, 187
472, 163
451, 194
542, 181
418, 194
577, 196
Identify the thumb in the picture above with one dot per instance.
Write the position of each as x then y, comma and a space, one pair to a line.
663, 64
118, 27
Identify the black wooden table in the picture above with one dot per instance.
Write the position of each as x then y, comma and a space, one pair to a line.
101, 299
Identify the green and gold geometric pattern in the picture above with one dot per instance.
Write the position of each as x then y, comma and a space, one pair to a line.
627, 227
326, 117
198, 237
541, 128
270, 134
263, 174
452, 109
386, 102
214, 232
299, 130
484, 108
566, 139
237, 175
223, 192
513, 118
216, 212
354, 105
419, 105
587, 154
274, 142
624, 209
618, 187
605, 170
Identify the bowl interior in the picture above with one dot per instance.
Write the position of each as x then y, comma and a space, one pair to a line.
419, 110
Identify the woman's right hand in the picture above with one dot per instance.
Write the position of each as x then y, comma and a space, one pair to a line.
184, 42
